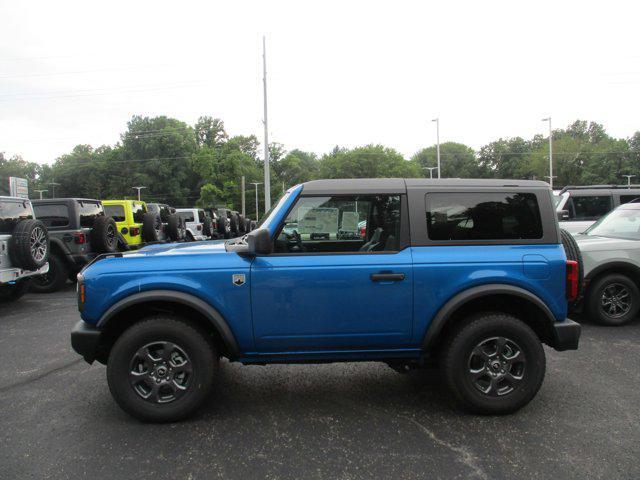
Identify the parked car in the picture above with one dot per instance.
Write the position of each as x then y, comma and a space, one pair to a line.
167, 226
195, 221
131, 221
24, 247
79, 231
610, 251
579, 207
476, 281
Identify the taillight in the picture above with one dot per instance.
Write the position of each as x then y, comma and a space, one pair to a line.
363, 231
572, 280
135, 231
79, 238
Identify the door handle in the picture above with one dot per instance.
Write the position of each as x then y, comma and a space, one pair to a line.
387, 277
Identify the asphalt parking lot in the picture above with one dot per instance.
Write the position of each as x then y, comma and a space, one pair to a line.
338, 421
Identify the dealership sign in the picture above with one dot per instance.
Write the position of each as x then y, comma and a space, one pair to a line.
18, 187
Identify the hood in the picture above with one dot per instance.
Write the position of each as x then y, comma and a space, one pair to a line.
591, 243
186, 248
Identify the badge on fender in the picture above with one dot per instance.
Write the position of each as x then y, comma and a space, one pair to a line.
237, 279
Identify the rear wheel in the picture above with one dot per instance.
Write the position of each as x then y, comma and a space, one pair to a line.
151, 227
29, 245
161, 369
613, 300
494, 364
104, 238
11, 293
54, 279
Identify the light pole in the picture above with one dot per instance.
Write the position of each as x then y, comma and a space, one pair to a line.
551, 177
138, 189
256, 184
629, 177
53, 188
437, 120
431, 169
41, 192
267, 174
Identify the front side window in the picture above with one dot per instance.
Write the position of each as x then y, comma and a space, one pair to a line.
483, 216
115, 211
13, 212
52, 215
340, 224
89, 211
588, 207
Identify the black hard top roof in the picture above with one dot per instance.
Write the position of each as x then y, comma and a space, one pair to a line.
62, 200
400, 185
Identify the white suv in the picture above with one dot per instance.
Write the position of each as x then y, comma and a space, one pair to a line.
194, 219
24, 247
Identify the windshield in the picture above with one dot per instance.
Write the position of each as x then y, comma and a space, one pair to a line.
621, 223
268, 217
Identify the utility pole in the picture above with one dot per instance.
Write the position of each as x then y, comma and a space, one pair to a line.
256, 185
551, 177
431, 169
53, 188
244, 213
629, 177
41, 192
437, 120
138, 189
267, 180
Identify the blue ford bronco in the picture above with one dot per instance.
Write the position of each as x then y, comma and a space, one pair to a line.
469, 275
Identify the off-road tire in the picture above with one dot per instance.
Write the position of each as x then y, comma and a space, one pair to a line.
206, 227
28, 234
456, 357
11, 293
151, 226
175, 228
199, 349
222, 221
572, 251
103, 236
54, 279
595, 296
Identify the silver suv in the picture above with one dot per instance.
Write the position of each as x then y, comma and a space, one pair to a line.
24, 247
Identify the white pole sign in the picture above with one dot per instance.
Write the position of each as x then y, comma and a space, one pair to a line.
18, 187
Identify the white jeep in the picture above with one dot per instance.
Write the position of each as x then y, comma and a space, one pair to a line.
24, 247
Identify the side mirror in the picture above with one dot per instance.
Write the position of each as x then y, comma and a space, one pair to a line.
563, 215
259, 241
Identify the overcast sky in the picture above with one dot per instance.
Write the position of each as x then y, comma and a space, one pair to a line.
343, 73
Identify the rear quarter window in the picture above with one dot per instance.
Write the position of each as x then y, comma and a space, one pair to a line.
482, 216
13, 212
115, 211
186, 216
89, 211
52, 215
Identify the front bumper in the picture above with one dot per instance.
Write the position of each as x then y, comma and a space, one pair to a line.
16, 274
566, 335
85, 340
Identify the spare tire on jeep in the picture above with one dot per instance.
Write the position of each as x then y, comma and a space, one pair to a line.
175, 228
29, 245
103, 235
151, 227
207, 231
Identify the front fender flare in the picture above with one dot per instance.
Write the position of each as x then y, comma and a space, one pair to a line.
211, 314
457, 301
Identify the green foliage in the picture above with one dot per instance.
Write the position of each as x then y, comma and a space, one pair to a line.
183, 165
366, 162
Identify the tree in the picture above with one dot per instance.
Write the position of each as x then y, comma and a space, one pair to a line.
210, 132
456, 160
297, 167
371, 161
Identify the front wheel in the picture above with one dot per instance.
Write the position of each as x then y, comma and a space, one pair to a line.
494, 364
54, 279
161, 369
613, 300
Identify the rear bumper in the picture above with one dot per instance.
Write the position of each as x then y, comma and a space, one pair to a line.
85, 340
566, 335
16, 274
